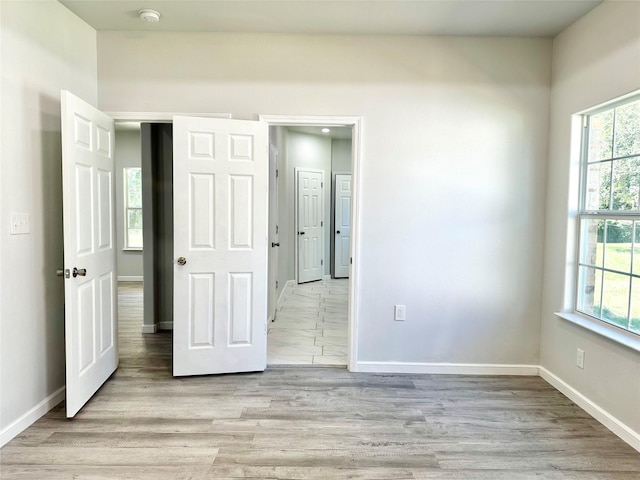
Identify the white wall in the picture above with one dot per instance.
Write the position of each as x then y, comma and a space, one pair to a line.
44, 48
313, 152
127, 154
595, 60
452, 174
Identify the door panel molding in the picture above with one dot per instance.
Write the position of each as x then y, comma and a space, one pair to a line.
342, 224
309, 247
91, 319
220, 245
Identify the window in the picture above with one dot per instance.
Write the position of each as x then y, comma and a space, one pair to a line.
609, 216
133, 207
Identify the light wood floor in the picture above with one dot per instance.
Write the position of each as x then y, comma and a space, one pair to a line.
313, 423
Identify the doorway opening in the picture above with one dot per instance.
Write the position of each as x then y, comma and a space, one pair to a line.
332, 281
311, 284
144, 232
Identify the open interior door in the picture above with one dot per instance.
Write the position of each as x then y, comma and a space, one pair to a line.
273, 232
91, 334
343, 226
220, 182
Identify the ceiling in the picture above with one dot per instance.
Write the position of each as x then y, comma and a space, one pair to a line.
522, 18
338, 133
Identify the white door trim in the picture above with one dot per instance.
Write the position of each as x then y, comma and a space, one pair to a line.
356, 159
296, 246
156, 117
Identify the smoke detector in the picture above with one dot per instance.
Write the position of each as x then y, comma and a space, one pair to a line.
149, 16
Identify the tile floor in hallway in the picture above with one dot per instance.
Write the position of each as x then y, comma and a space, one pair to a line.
311, 325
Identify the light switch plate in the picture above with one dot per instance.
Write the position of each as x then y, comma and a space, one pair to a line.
19, 224
399, 313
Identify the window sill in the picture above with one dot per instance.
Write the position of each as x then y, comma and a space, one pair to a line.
132, 249
612, 333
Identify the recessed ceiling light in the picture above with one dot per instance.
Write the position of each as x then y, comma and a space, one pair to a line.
149, 16
325, 130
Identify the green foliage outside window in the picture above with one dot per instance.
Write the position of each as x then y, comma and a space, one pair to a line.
609, 267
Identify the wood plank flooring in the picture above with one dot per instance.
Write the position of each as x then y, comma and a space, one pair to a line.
312, 423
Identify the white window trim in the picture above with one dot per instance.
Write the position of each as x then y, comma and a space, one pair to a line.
125, 177
603, 328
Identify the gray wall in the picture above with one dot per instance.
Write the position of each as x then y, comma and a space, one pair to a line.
157, 197
452, 176
127, 154
341, 155
595, 60
313, 152
44, 48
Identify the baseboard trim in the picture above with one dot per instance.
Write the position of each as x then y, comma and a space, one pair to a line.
605, 418
284, 289
31, 416
446, 368
165, 326
130, 278
149, 328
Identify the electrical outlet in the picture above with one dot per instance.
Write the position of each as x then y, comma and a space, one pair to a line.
580, 359
399, 312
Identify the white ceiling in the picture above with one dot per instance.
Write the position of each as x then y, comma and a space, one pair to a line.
539, 18
339, 133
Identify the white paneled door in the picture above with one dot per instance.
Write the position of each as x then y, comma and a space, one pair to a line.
91, 333
310, 224
342, 226
220, 191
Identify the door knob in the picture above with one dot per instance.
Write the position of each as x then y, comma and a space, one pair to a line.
182, 261
338, 232
300, 233
82, 272
275, 244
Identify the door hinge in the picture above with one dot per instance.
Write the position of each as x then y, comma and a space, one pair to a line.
276, 284
321, 184
276, 229
350, 261
322, 224
277, 173
321, 262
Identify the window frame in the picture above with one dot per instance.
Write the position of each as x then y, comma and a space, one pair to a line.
127, 208
579, 316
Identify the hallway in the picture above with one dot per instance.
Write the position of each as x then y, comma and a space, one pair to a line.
311, 325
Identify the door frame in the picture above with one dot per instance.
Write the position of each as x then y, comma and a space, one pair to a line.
296, 211
356, 123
